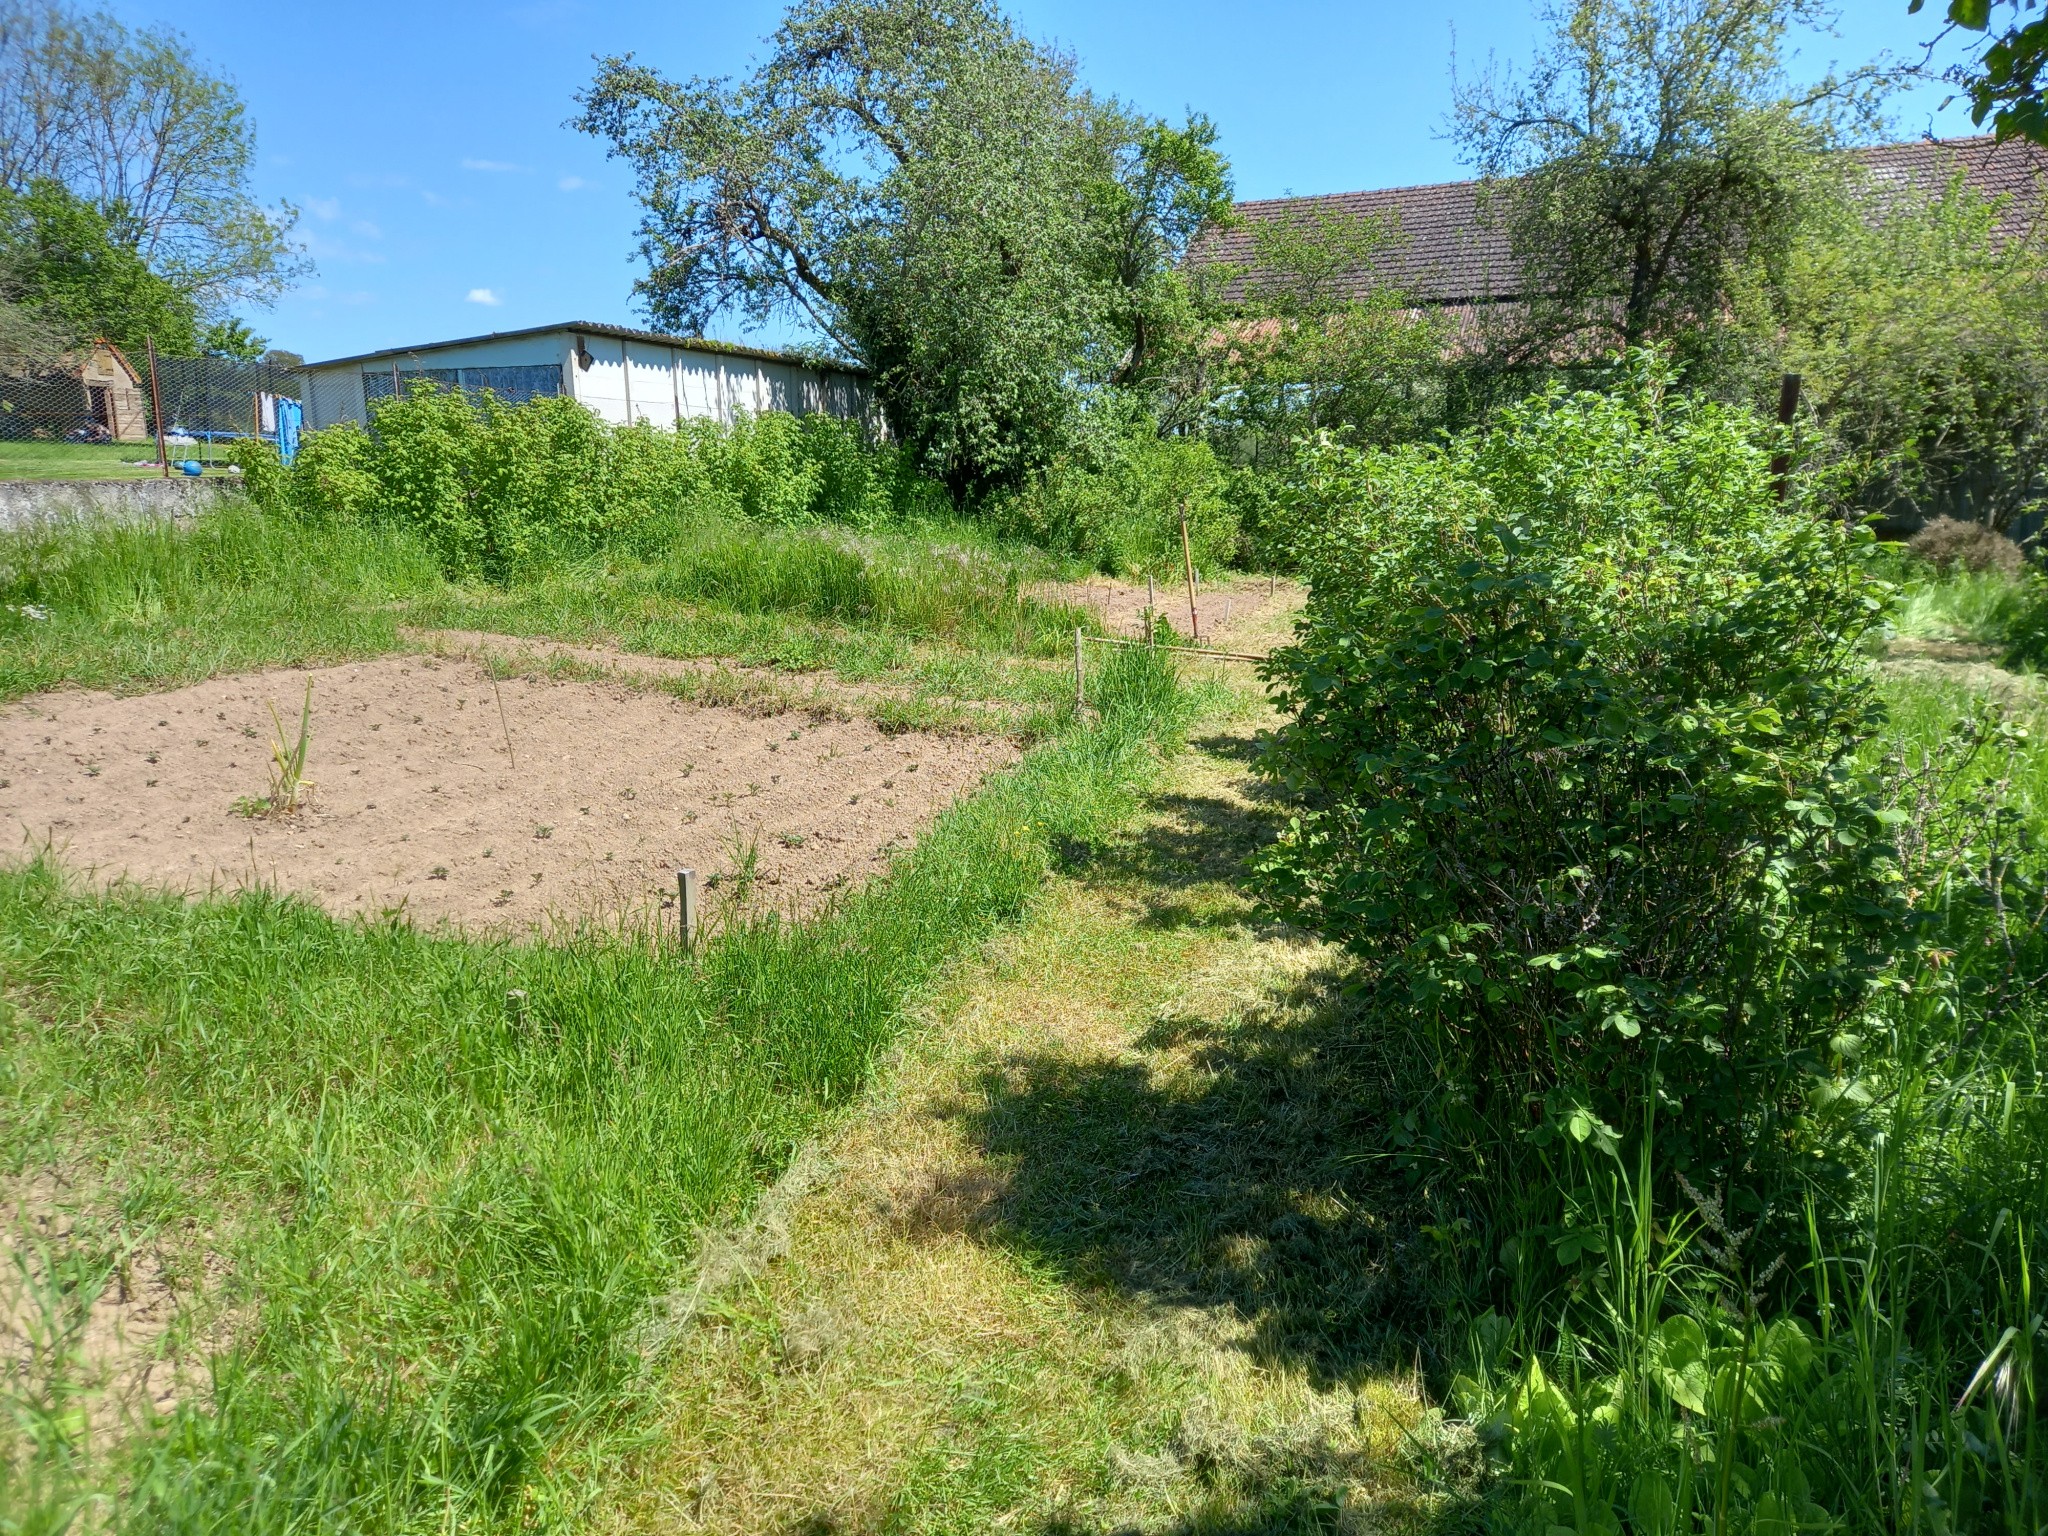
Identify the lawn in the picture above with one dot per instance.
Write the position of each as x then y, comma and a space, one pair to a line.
79, 461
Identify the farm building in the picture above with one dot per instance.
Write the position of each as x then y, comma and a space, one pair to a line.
621, 374
94, 395
1448, 252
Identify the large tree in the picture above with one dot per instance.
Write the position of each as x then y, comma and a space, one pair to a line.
931, 195
2005, 82
160, 149
77, 278
1653, 150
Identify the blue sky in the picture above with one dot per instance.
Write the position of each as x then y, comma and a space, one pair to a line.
442, 195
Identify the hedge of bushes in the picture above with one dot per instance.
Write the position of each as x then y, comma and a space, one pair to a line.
492, 488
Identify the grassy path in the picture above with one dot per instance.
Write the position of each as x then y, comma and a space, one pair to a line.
1088, 1259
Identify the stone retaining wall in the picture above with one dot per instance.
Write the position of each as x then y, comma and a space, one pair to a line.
27, 502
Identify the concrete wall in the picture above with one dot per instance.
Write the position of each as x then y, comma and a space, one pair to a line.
25, 503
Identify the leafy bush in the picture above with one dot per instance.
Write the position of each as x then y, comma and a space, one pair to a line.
1947, 543
1575, 705
494, 488
1122, 511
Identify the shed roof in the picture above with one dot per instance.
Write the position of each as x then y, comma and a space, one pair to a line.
597, 328
1447, 252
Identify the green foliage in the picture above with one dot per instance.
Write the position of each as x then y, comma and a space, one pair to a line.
1170, 184
134, 127
493, 489
232, 338
1122, 510
2006, 84
934, 195
1575, 707
1922, 339
1656, 149
1315, 346
1728, 1116
64, 259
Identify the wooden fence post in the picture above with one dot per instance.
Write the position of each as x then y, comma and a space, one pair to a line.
1781, 461
1187, 557
156, 409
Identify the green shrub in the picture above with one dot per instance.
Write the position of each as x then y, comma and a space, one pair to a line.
1123, 513
493, 488
1575, 706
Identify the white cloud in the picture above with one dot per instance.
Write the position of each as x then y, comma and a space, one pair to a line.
435, 199
491, 165
328, 208
484, 296
572, 184
366, 229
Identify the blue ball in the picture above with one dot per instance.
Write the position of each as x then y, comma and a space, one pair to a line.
190, 467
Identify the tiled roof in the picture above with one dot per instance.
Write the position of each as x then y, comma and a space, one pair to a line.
1446, 252
1441, 251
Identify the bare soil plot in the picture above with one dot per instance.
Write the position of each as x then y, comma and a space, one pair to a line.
1230, 611
705, 680
578, 804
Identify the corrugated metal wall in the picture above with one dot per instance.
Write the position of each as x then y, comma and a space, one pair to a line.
621, 379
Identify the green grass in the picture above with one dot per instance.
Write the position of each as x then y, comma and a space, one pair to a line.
144, 606
443, 1220
83, 461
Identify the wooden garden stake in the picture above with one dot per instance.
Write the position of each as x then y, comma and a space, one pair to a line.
687, 906
1080, 687
1788, 407
1187, 557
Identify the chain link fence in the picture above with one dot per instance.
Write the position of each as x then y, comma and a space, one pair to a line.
103, 396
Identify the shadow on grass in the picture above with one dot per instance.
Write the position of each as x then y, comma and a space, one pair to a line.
1194, 847
1246, 1174
1241, 1165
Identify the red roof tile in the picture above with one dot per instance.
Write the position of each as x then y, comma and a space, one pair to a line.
1445, 252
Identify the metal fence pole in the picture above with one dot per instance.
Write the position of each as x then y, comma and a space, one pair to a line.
156, 409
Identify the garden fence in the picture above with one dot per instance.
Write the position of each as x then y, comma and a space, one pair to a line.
105, 397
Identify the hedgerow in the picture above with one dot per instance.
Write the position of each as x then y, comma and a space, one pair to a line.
494, 488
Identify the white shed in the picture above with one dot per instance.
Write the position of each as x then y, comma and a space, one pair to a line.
621, 374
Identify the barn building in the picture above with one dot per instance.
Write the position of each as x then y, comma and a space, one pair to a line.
619, 373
